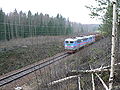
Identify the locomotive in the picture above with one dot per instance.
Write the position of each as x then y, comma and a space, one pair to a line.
73, 44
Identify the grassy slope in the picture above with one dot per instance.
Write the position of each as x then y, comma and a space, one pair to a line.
20, 57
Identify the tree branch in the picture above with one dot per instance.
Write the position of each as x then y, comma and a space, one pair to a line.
105, 86
61, 80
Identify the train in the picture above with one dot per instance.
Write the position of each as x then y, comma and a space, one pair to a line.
73, 44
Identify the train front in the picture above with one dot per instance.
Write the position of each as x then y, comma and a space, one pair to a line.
70, 45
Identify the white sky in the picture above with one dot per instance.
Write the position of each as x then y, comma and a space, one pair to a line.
75, 10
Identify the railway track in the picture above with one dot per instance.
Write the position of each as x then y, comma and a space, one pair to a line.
20, 74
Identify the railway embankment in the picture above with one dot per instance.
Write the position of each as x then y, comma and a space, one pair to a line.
19, 53
95, 55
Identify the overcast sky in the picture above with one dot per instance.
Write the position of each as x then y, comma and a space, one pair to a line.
75, 10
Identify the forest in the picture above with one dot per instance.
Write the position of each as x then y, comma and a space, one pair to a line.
20, 25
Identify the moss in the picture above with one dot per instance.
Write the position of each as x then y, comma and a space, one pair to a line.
105, 76
97, 50
92, 59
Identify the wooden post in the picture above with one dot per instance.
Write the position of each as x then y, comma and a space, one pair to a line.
113, 45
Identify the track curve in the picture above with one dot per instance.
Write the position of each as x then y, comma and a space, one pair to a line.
7, 79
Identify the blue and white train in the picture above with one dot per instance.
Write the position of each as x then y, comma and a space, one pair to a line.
74, 44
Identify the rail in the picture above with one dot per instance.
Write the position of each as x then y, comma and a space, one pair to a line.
20, 74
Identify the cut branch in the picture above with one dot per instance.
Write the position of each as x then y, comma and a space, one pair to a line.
89, 71
105, 67
61, 80
75, 73
97, 70
105, 86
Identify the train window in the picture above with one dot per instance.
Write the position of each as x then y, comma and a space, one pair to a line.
79, 40
90, 37
66, 41
71, 41
85, 39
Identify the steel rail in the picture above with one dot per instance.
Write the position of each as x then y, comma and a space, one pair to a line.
17, 75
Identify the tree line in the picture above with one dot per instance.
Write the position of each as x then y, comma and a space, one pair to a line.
21, 25
104, 11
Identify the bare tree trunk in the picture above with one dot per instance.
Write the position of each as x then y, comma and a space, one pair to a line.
113, 46
93, 82
5, 28
11, 30
16, 26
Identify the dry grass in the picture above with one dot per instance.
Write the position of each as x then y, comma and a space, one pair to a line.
18, 53
87, 56
94, 55
31, 41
